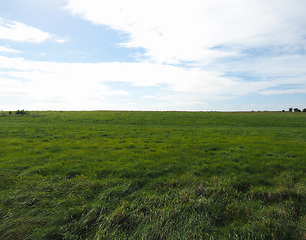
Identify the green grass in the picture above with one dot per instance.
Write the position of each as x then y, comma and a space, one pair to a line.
152, 175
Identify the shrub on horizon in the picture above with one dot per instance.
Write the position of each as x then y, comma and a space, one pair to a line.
21, 112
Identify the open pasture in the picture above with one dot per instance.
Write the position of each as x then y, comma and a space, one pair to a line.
152, 175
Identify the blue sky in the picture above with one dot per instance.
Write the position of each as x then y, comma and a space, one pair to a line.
152, 55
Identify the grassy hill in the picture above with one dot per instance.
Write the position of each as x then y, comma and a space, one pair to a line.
152, 175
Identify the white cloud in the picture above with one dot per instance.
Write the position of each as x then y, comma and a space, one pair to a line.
51, 85
228, 48
11, 87
174, 31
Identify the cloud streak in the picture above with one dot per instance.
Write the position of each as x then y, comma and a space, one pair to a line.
8, 50
19, 32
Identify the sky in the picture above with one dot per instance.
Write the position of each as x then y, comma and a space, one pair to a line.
161, 55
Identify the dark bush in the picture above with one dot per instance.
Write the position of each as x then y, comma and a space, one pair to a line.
21, 112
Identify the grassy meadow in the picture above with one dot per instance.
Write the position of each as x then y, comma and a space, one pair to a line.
152, 175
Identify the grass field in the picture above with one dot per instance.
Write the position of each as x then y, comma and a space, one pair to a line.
152, 175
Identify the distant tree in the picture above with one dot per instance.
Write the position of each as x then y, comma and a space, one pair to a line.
290, 109
304, 110
296, 110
